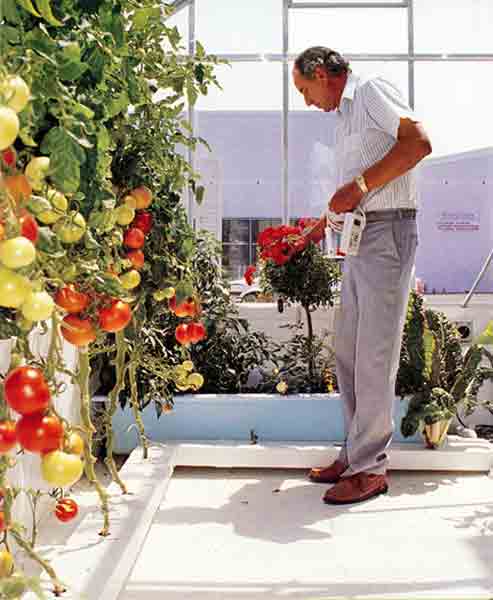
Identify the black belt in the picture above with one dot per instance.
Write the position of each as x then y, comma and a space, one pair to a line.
396, 214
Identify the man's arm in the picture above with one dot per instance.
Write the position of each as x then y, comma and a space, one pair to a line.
411, 147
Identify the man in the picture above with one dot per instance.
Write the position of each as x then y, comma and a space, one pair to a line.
378, 141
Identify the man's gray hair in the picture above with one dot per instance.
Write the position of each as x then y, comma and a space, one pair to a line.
320, 56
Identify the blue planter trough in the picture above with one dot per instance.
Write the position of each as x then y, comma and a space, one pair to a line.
296, 418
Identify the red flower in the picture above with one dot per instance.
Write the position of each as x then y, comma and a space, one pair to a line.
249, 274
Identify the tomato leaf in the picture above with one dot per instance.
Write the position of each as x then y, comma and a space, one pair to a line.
49, 243
44, 7
28, 5
8, 11
199, 194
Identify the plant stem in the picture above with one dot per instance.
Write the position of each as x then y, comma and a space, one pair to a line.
311, 361
85, 414
135, 407
110, 411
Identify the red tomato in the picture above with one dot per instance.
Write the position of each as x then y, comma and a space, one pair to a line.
8, 438
133, 238
115, 317
196, 332
143, 221
40, 433
26, 390
19, 187
71, 300
2, 521
9, 157
66, 509
29, 227
187, 308
181, 334
78, 331
136, 257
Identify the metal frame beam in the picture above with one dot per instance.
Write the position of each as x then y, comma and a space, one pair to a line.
402, 4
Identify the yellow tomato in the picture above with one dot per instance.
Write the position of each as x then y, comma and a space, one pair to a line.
124, 214
6, 563
75, 444
130, 201
14, 288
195, 381
36, 171
130, 279
17, 252
16, 92
9, 127
61, 468
187, 365
38, 306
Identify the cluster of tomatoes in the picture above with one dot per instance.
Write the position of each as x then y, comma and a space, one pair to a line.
193, 331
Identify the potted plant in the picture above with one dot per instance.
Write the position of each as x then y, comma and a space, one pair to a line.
436, 374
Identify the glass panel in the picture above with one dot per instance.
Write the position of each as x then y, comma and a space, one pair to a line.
246, 86
456, 112
236, 259
255, 26
236, 231
454, 26
363, 30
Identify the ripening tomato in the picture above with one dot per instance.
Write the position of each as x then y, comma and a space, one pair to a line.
36, 170
18, 187
17, 252
196, 332
115, 317
71, 300
143, 221
187, 308
16, 92
26, 390
2, 521
6, 563
38, 306
181, 334
124, 214
61, 469
143, 197
14, 288
9, 127
66, 509
70, 230
137, 258
74, 444
195, 381
39, 433
8, 437
130, 279
133, 238
77, 330
29, 227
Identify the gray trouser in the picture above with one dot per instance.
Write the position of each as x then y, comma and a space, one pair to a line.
375, 290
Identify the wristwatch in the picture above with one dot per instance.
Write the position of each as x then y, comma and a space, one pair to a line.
361, 183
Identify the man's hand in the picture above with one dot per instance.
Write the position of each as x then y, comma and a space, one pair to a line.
346, 198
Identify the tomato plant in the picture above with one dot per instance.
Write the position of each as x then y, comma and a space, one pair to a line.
77, 330
133, 238
66, 509
8, 437
143, 221
39, 433
71, 300
26, 390
115, 317
137, 258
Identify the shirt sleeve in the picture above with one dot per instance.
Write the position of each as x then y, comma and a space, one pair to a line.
386, 105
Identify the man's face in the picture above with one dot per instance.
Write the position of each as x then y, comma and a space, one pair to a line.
324, 91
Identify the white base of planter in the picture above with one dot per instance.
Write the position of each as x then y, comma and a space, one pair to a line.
99, 568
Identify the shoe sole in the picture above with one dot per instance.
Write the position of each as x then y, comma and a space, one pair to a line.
372, 495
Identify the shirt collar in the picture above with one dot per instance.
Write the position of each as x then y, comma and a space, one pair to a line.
348, 91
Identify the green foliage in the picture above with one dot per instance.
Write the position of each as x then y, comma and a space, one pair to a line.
433, 369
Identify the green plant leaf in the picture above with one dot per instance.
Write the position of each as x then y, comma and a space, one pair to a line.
44, 7
28, 5
199, 194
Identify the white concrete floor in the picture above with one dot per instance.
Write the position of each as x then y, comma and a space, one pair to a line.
258, 534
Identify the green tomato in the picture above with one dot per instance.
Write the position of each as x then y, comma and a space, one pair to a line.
71, 229
9, 127
58, 200
130, 279
124, 215
17, 252
16, 92
195, 381
38, 204
36, 170
48, 217
164, 294
69, 273
38, 306
61, 469
14, 288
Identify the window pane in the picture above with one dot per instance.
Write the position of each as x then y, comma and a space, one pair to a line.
236, 231
246, 86
349, 30
255, 26
236, 259
457, 111
453, 26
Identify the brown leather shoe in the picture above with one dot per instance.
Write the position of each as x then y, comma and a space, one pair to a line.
357, 488
330, 474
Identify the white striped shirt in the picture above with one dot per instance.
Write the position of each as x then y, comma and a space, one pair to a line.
368, 120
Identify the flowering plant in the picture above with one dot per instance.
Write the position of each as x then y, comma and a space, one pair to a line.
300, 272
